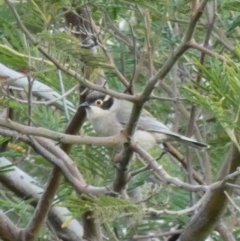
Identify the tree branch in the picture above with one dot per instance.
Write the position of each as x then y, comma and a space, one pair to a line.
205, 219
27, 188
57, 136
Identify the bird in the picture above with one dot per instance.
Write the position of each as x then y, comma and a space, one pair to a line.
109, 116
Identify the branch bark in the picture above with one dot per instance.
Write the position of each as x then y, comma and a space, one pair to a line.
58, 136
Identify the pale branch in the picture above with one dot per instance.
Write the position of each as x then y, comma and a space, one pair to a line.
20, 80
27, 188
188, 149
57, 136
194, 5
148, 45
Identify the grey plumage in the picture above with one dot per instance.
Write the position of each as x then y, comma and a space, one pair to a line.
109, 116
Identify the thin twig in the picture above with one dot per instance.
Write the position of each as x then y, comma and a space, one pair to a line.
180, 212
140, 170
231, 201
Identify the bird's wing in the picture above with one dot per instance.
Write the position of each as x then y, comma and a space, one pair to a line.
145, 122
151, 124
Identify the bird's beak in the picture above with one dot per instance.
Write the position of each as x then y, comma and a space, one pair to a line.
84, 105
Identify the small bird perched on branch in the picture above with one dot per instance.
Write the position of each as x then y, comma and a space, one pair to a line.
109, 116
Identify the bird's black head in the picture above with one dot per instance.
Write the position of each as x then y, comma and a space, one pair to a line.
98, 99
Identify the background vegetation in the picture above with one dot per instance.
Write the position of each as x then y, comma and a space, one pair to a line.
180, 59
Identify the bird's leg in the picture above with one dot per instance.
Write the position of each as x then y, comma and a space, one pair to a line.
164, 151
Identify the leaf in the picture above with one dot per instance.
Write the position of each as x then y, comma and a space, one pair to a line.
218, 93
7, 168
232, 6
107, 207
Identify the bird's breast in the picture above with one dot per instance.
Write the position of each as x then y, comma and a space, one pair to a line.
106, 127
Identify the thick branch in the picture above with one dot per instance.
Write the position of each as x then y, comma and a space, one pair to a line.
8, 230
205, 220
57, 136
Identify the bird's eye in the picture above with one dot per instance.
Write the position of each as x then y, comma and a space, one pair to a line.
98, 102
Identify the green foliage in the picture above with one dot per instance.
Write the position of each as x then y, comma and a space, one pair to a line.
67, 49
107, 207
218, 93
7, 168
52, 119
232, 5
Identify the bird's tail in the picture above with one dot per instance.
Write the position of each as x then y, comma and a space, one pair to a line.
188, 141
